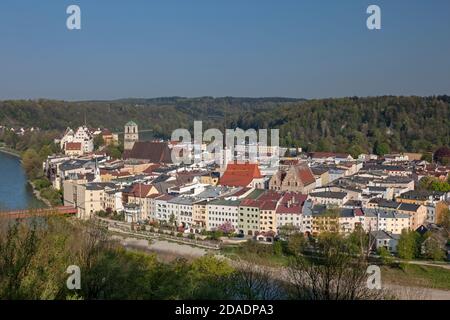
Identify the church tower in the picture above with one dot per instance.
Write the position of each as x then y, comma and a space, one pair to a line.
131, 135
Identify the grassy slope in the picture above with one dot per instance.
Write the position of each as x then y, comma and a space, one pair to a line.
405, 274
417, 275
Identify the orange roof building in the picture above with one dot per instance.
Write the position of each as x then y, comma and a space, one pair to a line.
73, 149
72, 146
141, 190
240, 175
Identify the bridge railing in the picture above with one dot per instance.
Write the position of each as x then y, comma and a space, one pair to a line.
39, 212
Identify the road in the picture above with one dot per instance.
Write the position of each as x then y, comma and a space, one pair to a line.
430, 264
165, 250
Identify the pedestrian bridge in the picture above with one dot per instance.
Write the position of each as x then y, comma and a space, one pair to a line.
44, 212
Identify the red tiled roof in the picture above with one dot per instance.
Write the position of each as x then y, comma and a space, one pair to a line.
73, 146
156, 152
250, 203
292, 203
305, 175
123, 174
319, 155
270, 196
165, 197
262, 205
140, 190
240, 175
115, 173
268, 205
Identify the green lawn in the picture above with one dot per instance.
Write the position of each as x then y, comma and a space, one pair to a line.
403, 274
269, 260
417, 275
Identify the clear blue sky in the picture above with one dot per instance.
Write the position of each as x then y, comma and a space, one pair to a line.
252, 48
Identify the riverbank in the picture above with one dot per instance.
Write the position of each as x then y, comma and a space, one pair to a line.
11, 152
15, 191
36, 193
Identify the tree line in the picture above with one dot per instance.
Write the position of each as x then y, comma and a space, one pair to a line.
355, 125
35, 254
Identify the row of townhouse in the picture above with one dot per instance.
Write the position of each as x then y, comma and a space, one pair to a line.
378, 214
421, 209
247, 216
416, 212
369, 184
433, 201
389, 221
347, 220
266, 213
272, 211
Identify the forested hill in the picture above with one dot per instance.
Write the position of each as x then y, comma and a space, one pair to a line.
346, 124
161, 114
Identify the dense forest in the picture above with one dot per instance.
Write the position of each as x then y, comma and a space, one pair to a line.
355, 125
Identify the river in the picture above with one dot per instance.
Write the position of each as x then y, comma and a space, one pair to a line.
15, 192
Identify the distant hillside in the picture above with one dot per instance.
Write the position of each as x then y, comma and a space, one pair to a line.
160, 114
346, 124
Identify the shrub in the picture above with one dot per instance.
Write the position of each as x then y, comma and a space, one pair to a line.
215, 235
385, 256
40, 184
102, 214
52, 195
277, 248
258, 249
